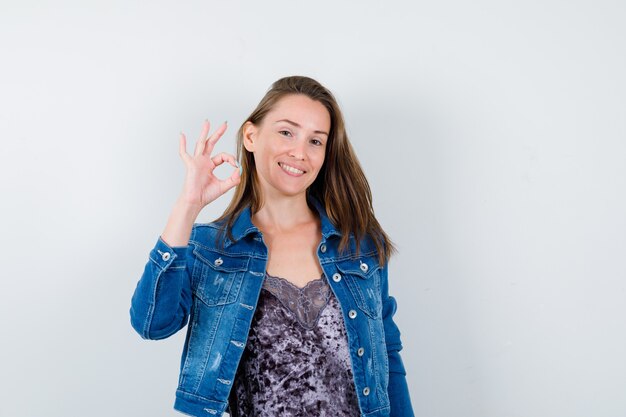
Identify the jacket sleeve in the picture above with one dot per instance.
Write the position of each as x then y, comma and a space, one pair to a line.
398, 390
162, 299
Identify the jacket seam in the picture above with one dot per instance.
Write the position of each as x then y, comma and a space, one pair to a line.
187, 393
227, 253
150, 313
210, 348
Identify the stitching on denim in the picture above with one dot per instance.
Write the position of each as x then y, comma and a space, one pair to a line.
358, 271
375, 352
192, 330
210, 348
227, 295
377, 410
245, 261
354, 290
156, 262
150, 313
189, 394
200, 245
249, 254
348, 256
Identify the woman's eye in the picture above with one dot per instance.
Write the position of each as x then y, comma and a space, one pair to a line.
285, 133
316, 142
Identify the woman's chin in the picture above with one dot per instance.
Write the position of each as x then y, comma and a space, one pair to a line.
289, 191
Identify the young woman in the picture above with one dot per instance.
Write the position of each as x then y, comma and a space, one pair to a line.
286, 294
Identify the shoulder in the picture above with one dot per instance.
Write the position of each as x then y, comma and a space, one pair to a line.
365, 247
207, 234
215, 237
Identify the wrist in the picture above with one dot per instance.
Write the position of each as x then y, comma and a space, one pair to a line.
184, 206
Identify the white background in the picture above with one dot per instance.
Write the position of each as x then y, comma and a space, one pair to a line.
493, 135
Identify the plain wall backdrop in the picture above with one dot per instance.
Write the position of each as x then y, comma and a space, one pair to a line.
493, 135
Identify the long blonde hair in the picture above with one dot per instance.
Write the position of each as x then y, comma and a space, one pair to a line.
340, 186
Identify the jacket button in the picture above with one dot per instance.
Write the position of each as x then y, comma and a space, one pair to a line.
166, 256
352, 314
366, 391
323, 248
336, 277
364, 267
218, 262
360, 352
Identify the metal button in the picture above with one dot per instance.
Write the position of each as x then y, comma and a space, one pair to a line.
166, 256
352, 314
218, 262
337, 277
360, 352
366, 391
323, 248
364, 267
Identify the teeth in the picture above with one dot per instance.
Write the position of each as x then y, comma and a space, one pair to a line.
291, 169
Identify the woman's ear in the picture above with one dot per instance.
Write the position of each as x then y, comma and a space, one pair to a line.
249, 136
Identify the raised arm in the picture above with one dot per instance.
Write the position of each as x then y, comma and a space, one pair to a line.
162, 299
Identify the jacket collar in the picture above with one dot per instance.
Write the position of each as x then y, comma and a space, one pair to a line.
243, 226
328, 228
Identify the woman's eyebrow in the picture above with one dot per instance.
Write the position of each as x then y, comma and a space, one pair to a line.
297, 125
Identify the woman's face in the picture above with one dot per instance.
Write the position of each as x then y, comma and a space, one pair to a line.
289, 145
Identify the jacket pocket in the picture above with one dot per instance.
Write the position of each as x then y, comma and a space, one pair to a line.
363, 279
218, 276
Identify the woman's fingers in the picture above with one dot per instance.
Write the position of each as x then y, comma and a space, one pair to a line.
212, 140
200, 145
234, 178
219, 159
205, 146
228, 183
232, 181
182, 147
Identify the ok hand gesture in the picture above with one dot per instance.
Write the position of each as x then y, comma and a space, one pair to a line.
201, 186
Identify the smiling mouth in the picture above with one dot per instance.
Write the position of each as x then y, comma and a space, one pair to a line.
290, 169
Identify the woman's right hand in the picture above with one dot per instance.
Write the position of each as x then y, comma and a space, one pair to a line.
201, 186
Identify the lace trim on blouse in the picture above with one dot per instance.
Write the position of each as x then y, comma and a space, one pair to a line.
305, 303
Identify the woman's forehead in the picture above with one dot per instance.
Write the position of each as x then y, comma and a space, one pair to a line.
302, 111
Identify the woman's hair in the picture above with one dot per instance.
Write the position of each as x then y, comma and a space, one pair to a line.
340, 186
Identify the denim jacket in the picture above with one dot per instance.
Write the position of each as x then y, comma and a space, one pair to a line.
215, 288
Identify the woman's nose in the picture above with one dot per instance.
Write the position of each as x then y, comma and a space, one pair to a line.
298, 149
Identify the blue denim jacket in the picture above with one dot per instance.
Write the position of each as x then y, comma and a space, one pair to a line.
215, 288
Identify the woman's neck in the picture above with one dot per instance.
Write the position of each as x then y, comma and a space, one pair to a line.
283, 214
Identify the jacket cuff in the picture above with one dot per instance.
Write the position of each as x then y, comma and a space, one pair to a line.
164, 255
